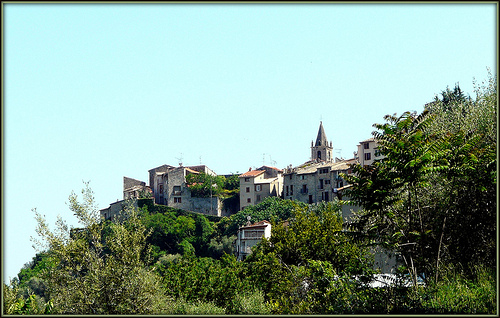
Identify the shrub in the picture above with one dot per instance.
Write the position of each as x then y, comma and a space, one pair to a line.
456, 294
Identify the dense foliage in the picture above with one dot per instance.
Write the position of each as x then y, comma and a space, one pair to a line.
431, 199
203, 185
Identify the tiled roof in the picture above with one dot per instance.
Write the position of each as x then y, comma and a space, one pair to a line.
162, 166
192, 171
273, 168
252, 173
311, 167
367, 140
263, 223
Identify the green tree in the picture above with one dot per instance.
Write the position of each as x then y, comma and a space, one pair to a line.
232, 182
432, 196
14, 303
468, 186
171, 232
284, 266
94, 274
203, 185
315, 232
220, 282
270, 209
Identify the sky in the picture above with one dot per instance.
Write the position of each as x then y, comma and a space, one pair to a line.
96, 92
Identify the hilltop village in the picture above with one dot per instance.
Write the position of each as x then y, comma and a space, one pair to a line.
316, 180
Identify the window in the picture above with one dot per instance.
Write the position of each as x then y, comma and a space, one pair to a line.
291, 190
161, 188
310, 199
321, 183
319, 155
258, 197
368, 156
366, 146
249, 200
377, 153
323, 170
325, 196
247, 179
247, 189
304, 188
258, 187
286, 190
253, 234
303, 177
290, 177
327, 181
177, 200
177, 189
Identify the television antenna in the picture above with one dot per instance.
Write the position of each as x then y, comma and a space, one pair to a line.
180, 160
271, 161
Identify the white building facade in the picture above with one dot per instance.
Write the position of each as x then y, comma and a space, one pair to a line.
249, 236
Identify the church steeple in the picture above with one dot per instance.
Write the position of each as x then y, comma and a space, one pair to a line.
321, 151
321, 139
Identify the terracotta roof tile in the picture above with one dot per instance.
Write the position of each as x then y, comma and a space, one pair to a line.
257, 224
252, 173
273, 168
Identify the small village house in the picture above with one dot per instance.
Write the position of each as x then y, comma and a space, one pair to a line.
250, 235
256, 185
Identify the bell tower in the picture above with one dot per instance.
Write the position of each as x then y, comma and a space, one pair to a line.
321, 150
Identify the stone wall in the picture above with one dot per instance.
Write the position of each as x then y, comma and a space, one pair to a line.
115, 209
129, 183
210, 206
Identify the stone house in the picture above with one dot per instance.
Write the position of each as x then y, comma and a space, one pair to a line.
367, 152
317, 179
133, 188
116, 209
313, 181
256, 185
169, 188
250, 235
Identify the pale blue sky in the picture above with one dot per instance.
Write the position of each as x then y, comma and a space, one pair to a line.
97, 92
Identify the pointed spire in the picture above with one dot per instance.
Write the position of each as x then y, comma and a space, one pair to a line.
321, 139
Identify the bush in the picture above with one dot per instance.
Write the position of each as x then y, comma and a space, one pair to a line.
456, 294
182, 307
252, 303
